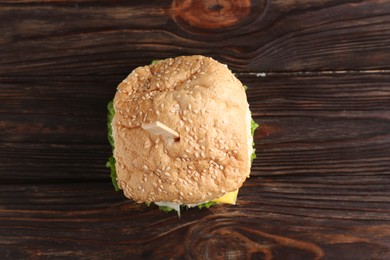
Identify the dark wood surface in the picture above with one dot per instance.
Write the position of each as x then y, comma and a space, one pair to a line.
318, 74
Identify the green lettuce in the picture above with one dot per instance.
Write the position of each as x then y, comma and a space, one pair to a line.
155, 62
110, 117
207, 204
111, 161
254, 125
111, 164
166, 209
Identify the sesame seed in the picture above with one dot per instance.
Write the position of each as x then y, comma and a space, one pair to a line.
146, 167
157, 112
189, 106
196, 154
167, 174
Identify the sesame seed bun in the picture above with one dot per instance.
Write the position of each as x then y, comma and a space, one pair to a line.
206, 104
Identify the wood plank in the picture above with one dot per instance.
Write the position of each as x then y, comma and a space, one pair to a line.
336, 124
315, 217
55, 109
310, 125
53, 163
100, 38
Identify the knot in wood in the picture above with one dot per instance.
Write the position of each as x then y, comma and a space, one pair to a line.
210, 14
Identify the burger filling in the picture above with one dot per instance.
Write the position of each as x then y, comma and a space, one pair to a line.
228, 198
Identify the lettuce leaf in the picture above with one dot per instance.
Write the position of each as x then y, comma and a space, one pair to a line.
155, 62
166, 209
111, 161
207, 204
111, 164
110, 117
254, 126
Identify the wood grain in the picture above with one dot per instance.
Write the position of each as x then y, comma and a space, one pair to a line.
310, 125
92, 221
100, 38
318, 76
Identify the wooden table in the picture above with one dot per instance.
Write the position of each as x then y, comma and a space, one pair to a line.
318, 77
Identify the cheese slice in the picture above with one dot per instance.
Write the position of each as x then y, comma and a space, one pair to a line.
228, 198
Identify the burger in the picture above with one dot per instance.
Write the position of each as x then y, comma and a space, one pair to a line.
209, 156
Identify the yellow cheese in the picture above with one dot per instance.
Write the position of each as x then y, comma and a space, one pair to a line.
228, 198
